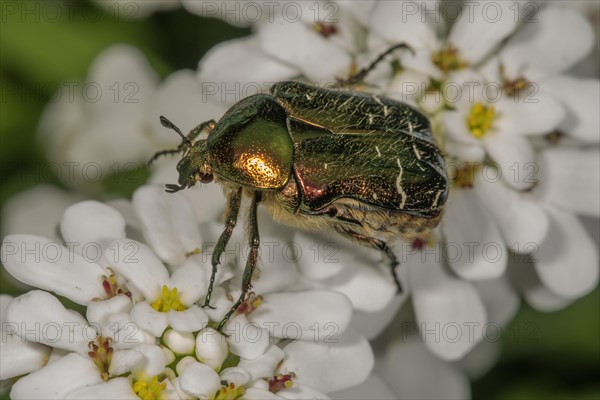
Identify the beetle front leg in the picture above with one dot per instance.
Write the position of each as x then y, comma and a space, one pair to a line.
375, 244
250, 262
233, 207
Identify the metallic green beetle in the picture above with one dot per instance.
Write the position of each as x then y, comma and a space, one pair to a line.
363, 165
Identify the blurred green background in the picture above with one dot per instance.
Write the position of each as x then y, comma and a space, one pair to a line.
557, 358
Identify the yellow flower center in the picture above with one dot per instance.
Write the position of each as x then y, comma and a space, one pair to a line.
324, 29
150, 389
111, 286
481, 119
448, 59
230, 392
281, 381
168, 300
101, 354
251, 303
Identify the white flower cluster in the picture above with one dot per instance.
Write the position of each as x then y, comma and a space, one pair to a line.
521, 136
144, 333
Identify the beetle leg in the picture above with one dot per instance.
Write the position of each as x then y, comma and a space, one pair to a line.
205, 126
362, 74
233, 205
184, 145
250, 263
375, 244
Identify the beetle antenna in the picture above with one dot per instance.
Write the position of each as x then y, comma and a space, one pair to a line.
360, 76
168, 124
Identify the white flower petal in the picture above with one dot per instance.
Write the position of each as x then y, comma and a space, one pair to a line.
179, 342
36, 211
474, 247
470, 153
476, 33
359, 9
302, 392
99, 311
200, 380
236, 375
114, 389
407, 364
48, 265
207, 201
185, 101
484, 356
150, 320
178, 389
449, 311
90, 221
373, 388
126, 334
500, 299
19, 356
57, 354
455, 123
560, 28
537, 114
192, 278
262, 394
303, 315
545, 300
315, 256
309, 49
190, 320
125, 208
371, 324
402, 22
99, 149
277, 254
567, 261
123, 361
581, 98
523, 275
212, 348
57, 379
570, 179
5, 299
246, 339
369, 288
154, 360
139, 265
38, 316
523, 222
167, 219
126, 68
515, 158
221, 303
239, 68
345, 362
264, 365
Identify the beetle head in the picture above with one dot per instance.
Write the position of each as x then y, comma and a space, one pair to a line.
193, 167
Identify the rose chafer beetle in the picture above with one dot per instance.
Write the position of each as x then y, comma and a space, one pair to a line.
363, 165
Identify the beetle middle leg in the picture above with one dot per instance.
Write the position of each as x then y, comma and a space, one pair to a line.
194, 133
250, 262
360, 76
375, 244
233, 204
